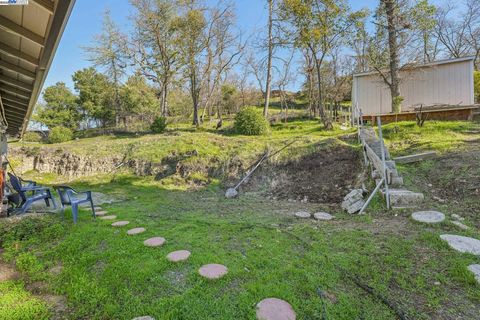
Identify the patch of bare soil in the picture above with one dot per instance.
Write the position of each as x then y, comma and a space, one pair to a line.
39, 289
325, 176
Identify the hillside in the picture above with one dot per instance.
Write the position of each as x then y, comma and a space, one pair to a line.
95, 270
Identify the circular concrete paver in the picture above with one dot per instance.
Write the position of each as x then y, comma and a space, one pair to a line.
101, 213
135, 231
275, 309
213, 271
428, 216
475, 268
322, 216
120, 223
462, 244
144, 318
112, 217
154, 242
303, 214
177, 256
97, 208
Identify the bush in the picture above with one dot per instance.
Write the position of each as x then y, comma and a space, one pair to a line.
60, 134
31, 136
159, 125
249, 121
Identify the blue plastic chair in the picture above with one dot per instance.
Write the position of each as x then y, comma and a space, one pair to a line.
73, 198
38, 193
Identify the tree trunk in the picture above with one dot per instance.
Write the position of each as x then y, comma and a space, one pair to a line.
325, 119
393, 51
163, 102
269, 63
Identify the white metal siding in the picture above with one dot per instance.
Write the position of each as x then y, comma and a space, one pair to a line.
446, 83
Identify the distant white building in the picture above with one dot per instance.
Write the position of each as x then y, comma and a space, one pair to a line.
447, 82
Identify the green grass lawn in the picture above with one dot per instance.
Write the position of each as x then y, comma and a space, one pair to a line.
315, 266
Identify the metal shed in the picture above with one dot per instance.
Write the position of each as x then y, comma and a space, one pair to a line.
446, 83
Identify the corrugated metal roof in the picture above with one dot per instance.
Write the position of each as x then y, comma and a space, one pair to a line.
29, 36
414, 66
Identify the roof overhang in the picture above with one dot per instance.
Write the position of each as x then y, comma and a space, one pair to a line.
411, 66
29, 37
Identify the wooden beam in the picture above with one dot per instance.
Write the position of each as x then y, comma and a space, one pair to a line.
45, 4
9, 66
12, 112
63, 9
13, 90
14, 105
11, 115
14, 82
14, 28
12, 52
416, 157
18, 100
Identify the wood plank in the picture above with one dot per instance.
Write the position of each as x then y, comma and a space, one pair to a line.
377, 162
9, 97
416, 157
11, 115
14, 28
10, 111
12, 52
9, 66
45, 4
16, 83
13, 90
14, 105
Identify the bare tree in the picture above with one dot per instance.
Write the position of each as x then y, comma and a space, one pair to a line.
269, 58
285, 78
451, 33
198, 37
153, 44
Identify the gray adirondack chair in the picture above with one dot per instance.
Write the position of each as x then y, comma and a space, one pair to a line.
73, 198
38, 193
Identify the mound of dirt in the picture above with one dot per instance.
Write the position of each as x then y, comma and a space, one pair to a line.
325, 176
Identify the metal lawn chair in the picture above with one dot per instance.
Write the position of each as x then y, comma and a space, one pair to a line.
38, 193
73, 198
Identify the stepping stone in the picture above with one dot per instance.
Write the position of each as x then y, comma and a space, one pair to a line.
322, 216
462, 244
457, 217
153, 242
275, 309
100, 213
120, 223
97, 208
460, 225
213, 271
303, 215
177, 256
135, 231
112, 217
428, 216
475, 268
144, 318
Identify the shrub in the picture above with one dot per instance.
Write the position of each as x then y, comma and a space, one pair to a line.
159, 125
60, 134
31, 136
250, 121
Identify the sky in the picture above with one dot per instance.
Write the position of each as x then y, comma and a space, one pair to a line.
86, 21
